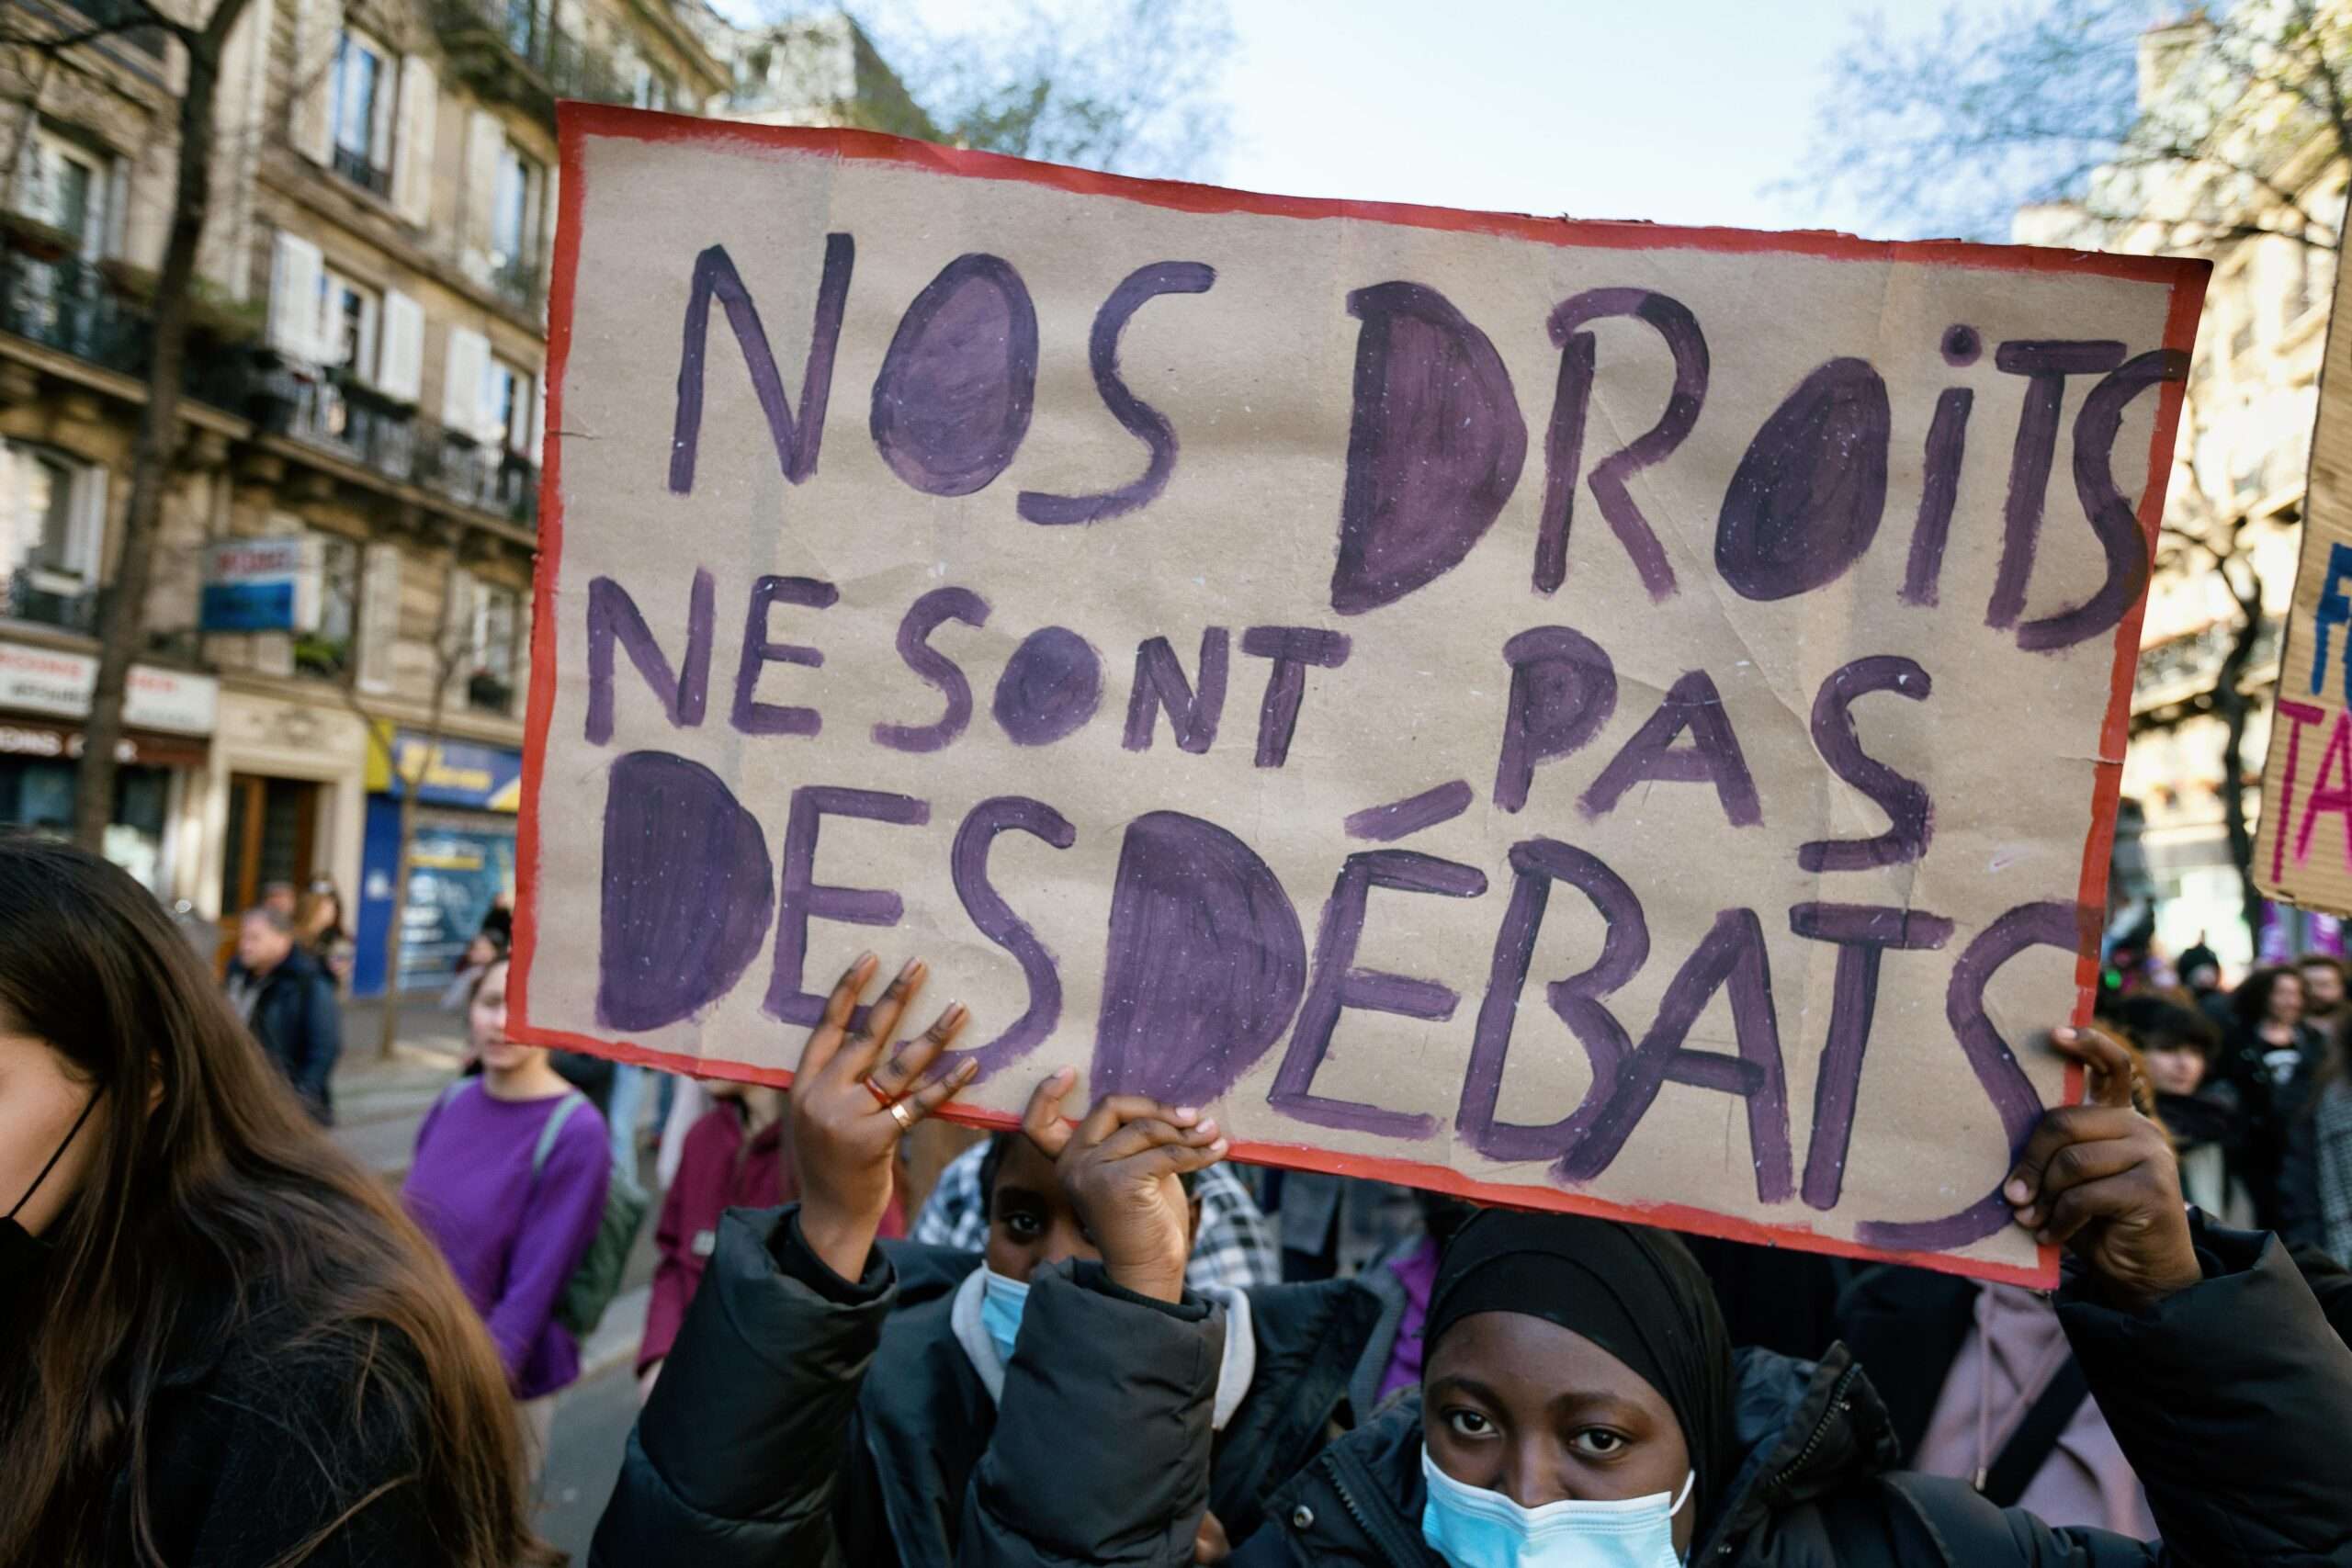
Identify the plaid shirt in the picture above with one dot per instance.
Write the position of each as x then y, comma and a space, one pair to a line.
1233, 1246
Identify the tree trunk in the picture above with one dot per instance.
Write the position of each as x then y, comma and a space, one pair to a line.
122, 620
445, 664
389, 1033
2235, 707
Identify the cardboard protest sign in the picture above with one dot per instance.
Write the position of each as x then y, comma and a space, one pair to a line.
1589, 716
2302, 850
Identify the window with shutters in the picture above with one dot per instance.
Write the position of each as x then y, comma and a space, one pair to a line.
418, 117
524, 28
514, 225
65, 186
652, 89
52, 517
497, 617
57, 294
359, 108
349, 316
506, 404
325, 653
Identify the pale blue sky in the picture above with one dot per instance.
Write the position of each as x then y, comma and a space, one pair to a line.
1673, 110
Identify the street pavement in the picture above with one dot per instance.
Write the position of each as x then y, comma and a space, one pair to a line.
591, 1423
379, 1101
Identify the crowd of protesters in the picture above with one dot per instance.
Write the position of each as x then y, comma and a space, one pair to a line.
1088, 1338
2250, 1081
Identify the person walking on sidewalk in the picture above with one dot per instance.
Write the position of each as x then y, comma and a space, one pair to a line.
286, 998
513, 1198
318, 928
225, 1344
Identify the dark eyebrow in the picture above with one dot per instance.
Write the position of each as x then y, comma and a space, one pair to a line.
1005, 1194
1595, 1406
1582, 1404
1456, 1382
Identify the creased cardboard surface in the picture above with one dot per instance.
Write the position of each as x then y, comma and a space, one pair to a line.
1257, 378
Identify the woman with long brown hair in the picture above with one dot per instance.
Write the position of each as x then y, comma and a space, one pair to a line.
225, 1344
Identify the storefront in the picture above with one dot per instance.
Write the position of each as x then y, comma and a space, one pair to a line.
156, 826
460, 861
285, 798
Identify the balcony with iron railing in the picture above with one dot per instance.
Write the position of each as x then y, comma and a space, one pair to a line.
43, 599
2184, 668
513, 50
517, 281
66, 304
356, 167
347, 419
95, 311
484, 476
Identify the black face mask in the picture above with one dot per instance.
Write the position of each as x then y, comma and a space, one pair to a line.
22, 1252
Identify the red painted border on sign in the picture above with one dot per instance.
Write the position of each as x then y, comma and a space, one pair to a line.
576, 122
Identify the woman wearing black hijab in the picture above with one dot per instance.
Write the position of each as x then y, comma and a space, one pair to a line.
1583, 1408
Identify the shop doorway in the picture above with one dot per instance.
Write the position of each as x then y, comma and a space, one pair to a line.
272, 837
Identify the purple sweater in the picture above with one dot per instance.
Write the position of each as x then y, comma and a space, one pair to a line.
511, 1241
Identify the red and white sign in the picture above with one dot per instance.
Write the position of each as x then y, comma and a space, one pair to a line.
55, 681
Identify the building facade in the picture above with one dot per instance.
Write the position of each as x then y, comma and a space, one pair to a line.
2233, 507
364, 428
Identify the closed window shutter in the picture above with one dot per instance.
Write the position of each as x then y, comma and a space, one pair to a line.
294, 297
29, 187
485, 140
403, 353
539, 417
413, 155
379, 617
489, 413
318, 29
92, 547
461, 385
115, 234
462, 642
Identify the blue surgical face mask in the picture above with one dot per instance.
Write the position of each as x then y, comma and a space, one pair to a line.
1001, 1303
1473, 1528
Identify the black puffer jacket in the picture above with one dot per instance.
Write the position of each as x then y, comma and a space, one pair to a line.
2230, 1399
1908, 1325
766, 1444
